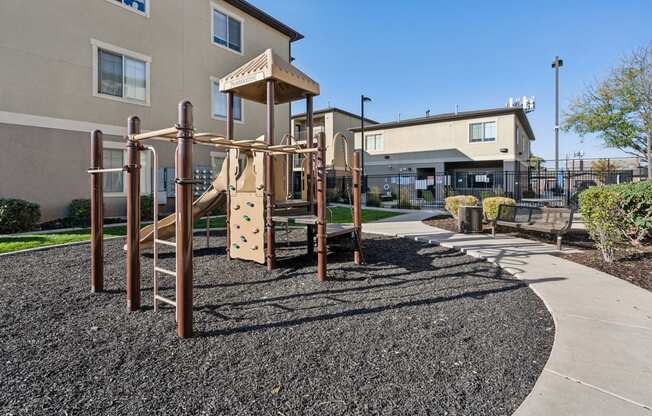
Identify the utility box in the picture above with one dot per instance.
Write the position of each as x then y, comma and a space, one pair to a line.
470, 219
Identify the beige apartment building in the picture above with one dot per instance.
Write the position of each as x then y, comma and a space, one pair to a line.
69, 66
330, 121
466, 146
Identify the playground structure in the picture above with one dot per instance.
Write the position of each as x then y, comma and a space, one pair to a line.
255, 194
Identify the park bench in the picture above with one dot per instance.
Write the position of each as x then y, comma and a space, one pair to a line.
556, 221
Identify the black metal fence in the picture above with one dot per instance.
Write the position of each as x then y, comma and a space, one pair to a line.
533, 187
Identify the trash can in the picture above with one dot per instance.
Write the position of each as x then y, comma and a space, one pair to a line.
470, 219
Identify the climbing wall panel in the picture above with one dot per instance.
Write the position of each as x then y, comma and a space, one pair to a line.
247, 227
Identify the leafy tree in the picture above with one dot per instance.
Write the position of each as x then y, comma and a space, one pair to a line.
602, 168
536, 161
619, 108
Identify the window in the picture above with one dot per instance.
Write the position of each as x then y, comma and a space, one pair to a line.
217, 161
227, 30
482, 132
119, 74
478, 180
374, 142
113, 158
138, 6
297, 161
219, 103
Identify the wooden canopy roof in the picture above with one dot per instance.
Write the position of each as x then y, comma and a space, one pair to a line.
250, 80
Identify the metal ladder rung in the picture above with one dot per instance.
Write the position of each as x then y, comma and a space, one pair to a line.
165, 242
166, 300
166, 271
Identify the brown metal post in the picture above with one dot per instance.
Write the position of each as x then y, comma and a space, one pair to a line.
321, 207
229, 136
133, 216
269, 179
97, 214
309, 172
184, 220
357, 212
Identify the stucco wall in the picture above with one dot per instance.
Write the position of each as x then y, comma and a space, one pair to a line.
334, 122
48, 166
46, 67
448, 135
47, 70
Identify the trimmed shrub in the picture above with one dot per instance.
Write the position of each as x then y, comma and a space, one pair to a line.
147, 207
373, 197
602, 212
17, 215
490, 206
453, 203
79, 213
637, 210
404, 200
332, 195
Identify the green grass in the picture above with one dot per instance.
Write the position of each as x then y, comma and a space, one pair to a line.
8, 244
219, 222
339, 215
24, 242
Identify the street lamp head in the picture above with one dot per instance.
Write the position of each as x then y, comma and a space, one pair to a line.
365, 99
557, 63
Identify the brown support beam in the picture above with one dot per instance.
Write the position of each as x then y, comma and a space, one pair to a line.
229, 136
133, 215
184, 219
97, 214
269, 179
357, 211
310, 124
321, 207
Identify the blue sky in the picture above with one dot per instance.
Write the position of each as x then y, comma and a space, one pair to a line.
435, 54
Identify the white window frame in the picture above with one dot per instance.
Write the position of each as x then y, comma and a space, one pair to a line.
217, 155
484, 140
215, 80
117, 146
215, 7
97, 45
145, 183
138, 12
375, 136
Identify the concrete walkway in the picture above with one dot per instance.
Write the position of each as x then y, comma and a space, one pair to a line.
601, 360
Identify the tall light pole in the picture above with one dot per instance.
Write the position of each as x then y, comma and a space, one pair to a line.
363, 100
556, 64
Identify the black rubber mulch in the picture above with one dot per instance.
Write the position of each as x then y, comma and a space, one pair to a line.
418, 330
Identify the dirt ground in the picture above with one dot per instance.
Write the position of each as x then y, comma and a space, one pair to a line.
632, 265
